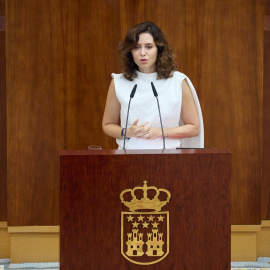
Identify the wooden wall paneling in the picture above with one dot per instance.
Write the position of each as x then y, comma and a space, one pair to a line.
131, 13
244, 71
219, 46
61, 54
33, 182
265, 198
92, 34
3, 121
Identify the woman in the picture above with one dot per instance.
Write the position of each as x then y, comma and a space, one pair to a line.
146, 57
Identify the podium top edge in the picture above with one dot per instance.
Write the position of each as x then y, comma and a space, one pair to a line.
144, 151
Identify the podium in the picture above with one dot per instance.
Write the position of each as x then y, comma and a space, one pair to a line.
99, 231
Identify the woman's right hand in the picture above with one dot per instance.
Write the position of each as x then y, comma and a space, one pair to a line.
138, 131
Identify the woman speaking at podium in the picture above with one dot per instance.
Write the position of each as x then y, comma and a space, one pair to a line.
148, 62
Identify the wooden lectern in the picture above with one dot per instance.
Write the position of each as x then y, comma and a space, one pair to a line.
188, 228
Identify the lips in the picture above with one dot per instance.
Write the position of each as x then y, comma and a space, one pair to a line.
143, 60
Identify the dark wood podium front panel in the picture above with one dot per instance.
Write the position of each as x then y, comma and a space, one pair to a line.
199, 208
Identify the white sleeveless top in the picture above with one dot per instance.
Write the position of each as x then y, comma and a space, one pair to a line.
144, 107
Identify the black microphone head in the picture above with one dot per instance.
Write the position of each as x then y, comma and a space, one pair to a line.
133, 91
154, 90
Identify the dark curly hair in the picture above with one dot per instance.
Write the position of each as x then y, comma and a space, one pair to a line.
165, 64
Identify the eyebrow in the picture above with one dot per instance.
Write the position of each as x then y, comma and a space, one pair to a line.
145, 44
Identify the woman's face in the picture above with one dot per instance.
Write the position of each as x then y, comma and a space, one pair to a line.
145, 53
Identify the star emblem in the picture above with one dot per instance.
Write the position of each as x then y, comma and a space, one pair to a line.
145, 224
151, 218
155, 225
130, 218
140, 218
160, 218
135, 224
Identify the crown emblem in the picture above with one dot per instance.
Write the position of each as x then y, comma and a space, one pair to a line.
145, 202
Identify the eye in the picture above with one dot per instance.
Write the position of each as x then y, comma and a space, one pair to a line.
137, 47
149, 46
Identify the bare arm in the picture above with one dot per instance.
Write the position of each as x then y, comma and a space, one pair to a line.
189, 114
110, 123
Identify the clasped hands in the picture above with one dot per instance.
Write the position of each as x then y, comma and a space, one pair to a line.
143, 131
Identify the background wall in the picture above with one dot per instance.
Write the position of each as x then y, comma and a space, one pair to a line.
59, 58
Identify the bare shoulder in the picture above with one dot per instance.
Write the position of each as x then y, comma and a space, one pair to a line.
186, 91
111, 90
112, 85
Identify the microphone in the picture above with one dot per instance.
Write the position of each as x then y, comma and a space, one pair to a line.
156, 95
131, 96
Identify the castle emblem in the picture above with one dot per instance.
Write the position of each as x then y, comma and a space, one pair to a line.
145, 228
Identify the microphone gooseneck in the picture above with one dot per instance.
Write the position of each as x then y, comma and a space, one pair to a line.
156, 95
154, 90
131, 96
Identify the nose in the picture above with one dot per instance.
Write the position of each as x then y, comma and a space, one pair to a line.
142, 51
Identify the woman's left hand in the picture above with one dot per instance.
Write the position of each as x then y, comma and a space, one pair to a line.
152, 134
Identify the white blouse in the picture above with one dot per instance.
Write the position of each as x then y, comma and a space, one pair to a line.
144, 107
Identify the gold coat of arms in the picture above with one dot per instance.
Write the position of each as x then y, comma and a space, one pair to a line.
145, 228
